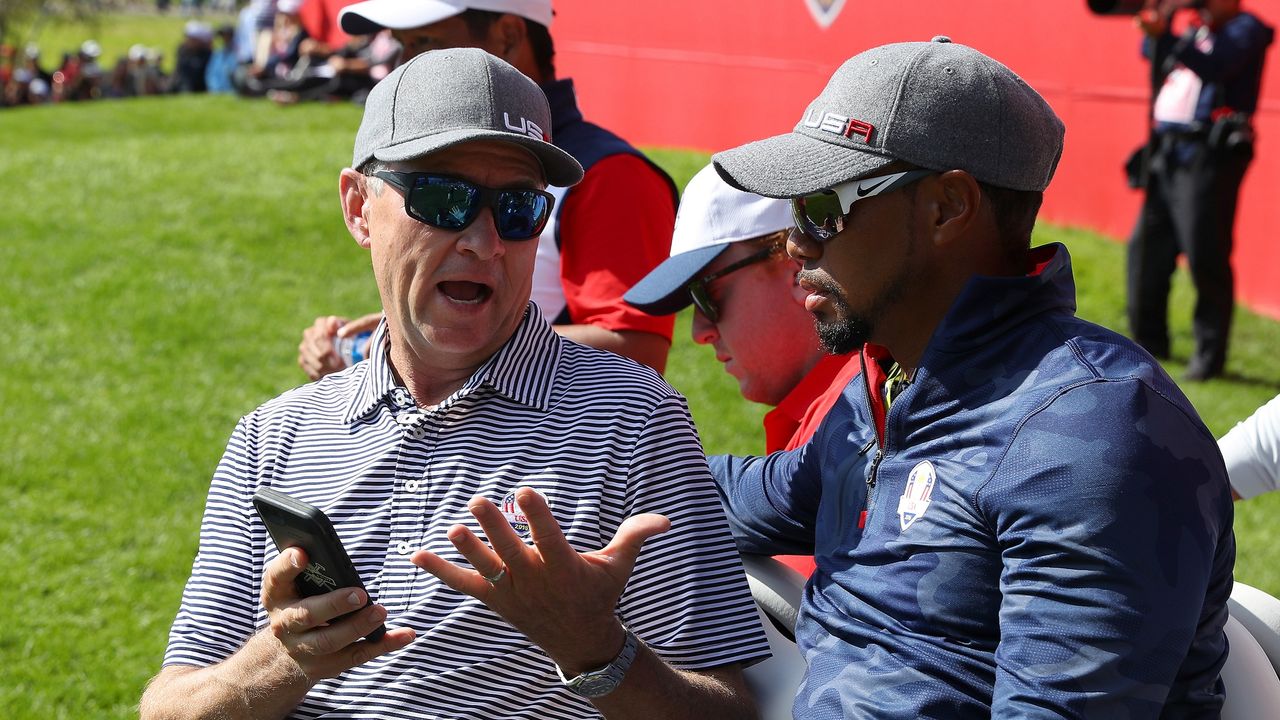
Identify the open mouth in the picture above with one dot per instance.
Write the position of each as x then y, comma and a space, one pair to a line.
465, 292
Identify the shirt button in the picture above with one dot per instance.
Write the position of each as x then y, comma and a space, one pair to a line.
403, 548
418, 433
412, 486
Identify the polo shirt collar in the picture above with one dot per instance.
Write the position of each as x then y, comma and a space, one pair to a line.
522, 370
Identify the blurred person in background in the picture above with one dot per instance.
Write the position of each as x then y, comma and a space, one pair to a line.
347, 74
587, 259
193, 58
220, 72
1205, 84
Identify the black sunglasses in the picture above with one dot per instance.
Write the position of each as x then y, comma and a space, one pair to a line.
451, 203
821, 215
698, 288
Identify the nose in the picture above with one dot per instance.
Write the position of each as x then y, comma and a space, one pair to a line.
704, 331
801, 247
480, 238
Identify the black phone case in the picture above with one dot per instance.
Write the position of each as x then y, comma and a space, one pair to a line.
293, 523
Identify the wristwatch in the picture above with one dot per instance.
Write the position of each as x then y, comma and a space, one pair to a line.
602, 681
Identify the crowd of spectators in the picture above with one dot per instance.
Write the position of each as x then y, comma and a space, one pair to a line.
269, 52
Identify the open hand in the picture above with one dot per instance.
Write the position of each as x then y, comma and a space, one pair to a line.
562, 600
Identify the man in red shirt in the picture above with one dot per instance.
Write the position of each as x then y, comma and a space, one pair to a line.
320, 19
729, 260
607, 231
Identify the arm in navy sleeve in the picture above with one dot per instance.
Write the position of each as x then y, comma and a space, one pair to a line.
1237, 44
772, 501
1113, 518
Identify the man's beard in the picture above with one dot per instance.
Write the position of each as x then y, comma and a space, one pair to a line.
846, 332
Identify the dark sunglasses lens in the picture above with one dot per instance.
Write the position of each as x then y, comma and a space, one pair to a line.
702, 301
444, 202
521, 214
819, 214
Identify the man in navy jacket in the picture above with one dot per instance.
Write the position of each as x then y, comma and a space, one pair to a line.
1014, 512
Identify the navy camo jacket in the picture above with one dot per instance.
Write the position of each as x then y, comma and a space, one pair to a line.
1039, 528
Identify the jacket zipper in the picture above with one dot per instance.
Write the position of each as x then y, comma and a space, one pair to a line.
879, 442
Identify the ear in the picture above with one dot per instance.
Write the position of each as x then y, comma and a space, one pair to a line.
509, 35
353, 193
954, 200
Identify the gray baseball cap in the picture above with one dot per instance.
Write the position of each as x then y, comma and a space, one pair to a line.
444, 98
937, 105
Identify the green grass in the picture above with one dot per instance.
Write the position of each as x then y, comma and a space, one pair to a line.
161, 257
116, 33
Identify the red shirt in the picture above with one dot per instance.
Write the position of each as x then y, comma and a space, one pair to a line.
615, 227
794, 421
320, 19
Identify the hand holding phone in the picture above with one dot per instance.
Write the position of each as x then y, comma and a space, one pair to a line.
293, 523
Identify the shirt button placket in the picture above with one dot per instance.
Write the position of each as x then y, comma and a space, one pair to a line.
407, 520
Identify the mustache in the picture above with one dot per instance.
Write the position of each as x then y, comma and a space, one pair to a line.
822, 282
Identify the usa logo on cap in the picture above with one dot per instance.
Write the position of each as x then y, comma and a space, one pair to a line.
514, 515
915, 499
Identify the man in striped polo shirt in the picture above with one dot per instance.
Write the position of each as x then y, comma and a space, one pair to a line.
472, 419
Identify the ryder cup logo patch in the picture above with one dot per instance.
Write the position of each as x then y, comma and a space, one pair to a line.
511, 511
824, 12
915, 499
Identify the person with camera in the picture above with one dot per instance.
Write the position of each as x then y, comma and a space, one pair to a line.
1205, 85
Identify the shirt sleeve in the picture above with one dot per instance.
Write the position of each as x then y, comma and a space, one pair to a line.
772, 501
1251, 450
1113, 521
616, 226
220, 602
687, 598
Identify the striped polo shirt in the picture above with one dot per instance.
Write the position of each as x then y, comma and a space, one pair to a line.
600, 436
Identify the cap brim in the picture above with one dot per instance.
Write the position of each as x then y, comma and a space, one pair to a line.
663, 291
559, 166
791, 165
371, 16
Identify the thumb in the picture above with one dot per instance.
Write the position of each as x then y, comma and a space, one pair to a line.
634, 531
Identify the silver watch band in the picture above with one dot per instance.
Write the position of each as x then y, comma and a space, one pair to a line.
604, 680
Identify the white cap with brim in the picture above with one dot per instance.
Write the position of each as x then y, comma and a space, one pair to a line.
712, 216
371, 16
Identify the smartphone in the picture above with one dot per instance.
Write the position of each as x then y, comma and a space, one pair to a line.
293, 523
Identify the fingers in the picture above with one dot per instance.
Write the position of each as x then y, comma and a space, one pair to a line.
544, 529
308, 613
631, 536
364, 323
456, 577
278, 577
509, 546
316, 354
